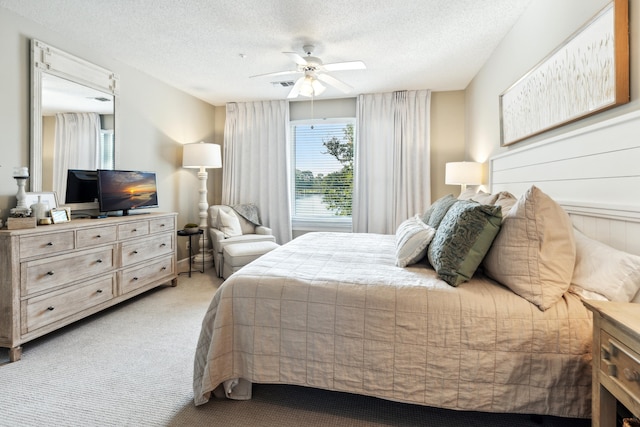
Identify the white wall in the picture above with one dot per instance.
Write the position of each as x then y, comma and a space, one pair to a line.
544, 26
155, 120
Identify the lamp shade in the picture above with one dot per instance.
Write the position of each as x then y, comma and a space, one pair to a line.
201, 154
462, 173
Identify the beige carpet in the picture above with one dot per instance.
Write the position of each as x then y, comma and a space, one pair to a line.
131, 366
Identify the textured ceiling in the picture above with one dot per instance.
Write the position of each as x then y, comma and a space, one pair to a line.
209, 48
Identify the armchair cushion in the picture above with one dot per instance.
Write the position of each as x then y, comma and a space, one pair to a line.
229, 224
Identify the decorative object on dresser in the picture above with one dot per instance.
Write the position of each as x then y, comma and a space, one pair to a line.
202, 155
53, 276
616, 360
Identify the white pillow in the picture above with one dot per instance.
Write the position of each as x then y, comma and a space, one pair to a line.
534, 252
412, 238
229, 224
604, 270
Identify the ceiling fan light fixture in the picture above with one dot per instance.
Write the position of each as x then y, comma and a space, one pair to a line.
311, 87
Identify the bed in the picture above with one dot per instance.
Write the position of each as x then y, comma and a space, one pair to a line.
335, 310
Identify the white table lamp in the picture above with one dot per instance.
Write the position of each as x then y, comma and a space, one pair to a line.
463, 174
203, 156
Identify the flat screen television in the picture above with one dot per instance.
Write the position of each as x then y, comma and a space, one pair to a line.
81, 194
120, 190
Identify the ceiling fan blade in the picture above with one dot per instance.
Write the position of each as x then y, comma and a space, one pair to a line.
340, 66
277, 73
330, 80
296, 58
295, 90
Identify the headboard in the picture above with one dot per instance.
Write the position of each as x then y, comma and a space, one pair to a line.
593, 172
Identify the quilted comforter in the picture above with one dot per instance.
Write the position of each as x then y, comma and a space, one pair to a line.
332, 311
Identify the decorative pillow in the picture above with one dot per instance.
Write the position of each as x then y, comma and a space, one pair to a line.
229, 224
438, 210
604, 270
506, 201
534, 254
412, 238
462, 239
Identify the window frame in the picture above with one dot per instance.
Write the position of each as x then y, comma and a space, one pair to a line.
307, 223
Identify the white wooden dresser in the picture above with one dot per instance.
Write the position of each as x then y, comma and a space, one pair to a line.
56, 274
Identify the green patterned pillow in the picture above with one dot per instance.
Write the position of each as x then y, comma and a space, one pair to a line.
462, 240
438, 210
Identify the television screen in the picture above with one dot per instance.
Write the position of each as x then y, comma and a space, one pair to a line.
120, 190
82, 186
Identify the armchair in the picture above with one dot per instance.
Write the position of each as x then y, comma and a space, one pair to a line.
250, 233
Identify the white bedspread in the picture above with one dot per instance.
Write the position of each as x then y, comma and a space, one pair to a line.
332, 311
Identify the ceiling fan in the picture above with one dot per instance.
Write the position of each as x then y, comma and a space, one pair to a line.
314, 72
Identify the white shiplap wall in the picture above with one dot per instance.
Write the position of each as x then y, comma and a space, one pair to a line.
593, 172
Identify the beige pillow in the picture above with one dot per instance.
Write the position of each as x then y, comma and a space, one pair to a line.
506, 201
229, 224
534, 253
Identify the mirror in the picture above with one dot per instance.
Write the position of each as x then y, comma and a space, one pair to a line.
73, 117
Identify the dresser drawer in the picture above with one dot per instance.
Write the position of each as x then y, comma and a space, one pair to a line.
136, 277
96, 236
51, 307
144, 249
620, 363
46, 244
161, 224
133, 229
40, 275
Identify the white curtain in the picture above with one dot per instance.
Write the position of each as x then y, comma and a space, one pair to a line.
76, 146
391, 172
256, 162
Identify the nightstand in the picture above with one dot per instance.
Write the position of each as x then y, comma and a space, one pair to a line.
616, 360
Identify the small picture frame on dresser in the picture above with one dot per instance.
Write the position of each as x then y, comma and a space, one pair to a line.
60, 215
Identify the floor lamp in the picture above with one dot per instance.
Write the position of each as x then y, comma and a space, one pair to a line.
203, 156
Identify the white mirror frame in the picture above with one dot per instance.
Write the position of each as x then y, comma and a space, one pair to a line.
48, 59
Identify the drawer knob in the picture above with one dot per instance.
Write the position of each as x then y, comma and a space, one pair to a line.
98, 236
135, 278
163, 245
51, 308
164, 268
99, 291
134, 252
99, 261
134, 230
50, 273
161, 225
631, 374
50, 244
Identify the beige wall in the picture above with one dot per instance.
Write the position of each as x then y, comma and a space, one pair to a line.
155, 120
447, 138
544, 26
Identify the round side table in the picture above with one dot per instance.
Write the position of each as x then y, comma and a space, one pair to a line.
183, 233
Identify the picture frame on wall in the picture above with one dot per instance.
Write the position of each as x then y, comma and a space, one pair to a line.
585, 75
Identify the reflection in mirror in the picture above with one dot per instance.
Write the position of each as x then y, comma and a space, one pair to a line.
77, 131
73, 118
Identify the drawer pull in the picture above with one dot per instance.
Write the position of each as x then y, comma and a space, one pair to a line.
99, 261
631, 374
134, 230
99, 291
98, 236
161, 225
51, 308
50, 244
135, 278
163, 245
163, 268
134, 252
50, 273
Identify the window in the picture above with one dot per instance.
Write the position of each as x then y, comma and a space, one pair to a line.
323, 165
106, 150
